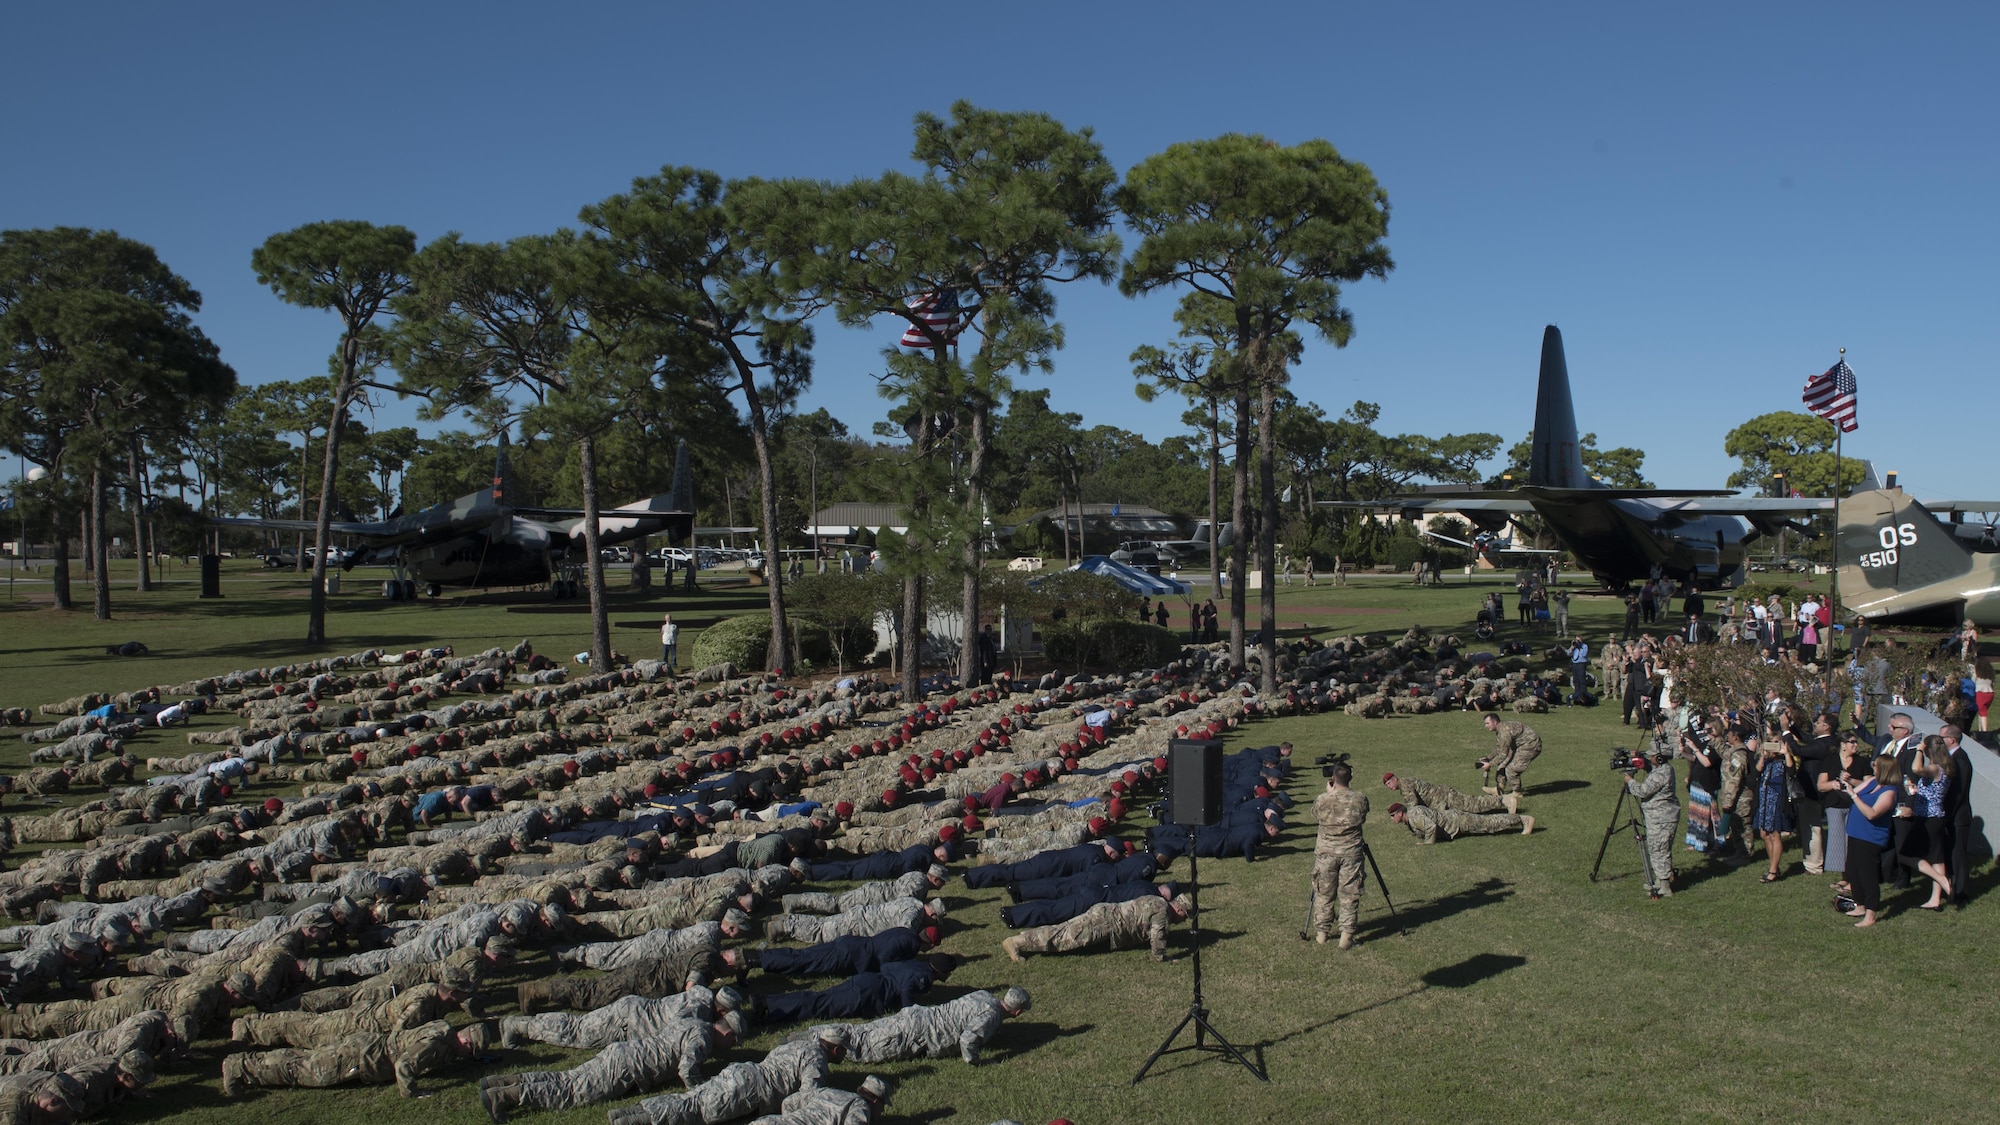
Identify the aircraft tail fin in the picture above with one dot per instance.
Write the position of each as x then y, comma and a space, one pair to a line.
1889, 541
504, 492
1556, 460
682, 486
1869, 481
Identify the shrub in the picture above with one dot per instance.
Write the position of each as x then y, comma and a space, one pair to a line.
1123, 645
743, 641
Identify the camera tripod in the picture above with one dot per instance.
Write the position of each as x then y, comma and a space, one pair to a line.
1312, 899
1637, 826
1197, 1013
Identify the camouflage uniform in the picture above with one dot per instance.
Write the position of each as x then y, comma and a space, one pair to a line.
1121, 924
821, 1105
1417, 791
741, 1090
1429, 823
1337, 860
914, 884
625, 1067
367, 1058
1736, 802
1515, 746
384, 986
629, 1017
413, 1007
667, 915
660, 974
1660, 810
865, 921
923, 1031
646, 946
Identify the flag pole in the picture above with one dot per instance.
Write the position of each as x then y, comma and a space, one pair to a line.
1833, 592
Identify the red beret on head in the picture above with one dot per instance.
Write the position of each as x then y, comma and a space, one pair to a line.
1115, 809
1005, 741
273, 806
1263, 791
843, 809
948, 833
1387, 778
931, 935
1096, 825
224, 790
1159, 763
1131, 848
683, 768
359, 757
571, 769
970, 823
1006, 779
1069, 763
929, 774
1118, 787
651, 791
736, 716
1396, 808
971, 802
890, 797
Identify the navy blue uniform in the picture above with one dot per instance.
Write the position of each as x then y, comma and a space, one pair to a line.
708, 865
1049, 911
894, 987
881, 865
850, 954
1172, 840
1062, 861
1132, 869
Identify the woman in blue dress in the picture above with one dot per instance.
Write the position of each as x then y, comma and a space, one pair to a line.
1774, 807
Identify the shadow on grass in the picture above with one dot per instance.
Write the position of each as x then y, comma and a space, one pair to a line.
1411, 915
1551, 787
1020, 1038
1472, 970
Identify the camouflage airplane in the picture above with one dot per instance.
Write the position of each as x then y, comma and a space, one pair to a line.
1899, 564
483, 539
1620, 535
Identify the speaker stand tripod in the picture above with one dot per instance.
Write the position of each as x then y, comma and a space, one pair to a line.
1197, 1013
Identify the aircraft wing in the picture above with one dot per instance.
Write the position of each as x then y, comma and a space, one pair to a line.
1489, 548
1418, 504
372, 533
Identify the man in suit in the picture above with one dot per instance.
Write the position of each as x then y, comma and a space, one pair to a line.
1958, 814
1698, 632
1904, 746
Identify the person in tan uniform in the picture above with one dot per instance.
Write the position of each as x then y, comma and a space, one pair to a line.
1515, 746
1121, 925
1337, 856
368, 1058
1428, 824
1417, 791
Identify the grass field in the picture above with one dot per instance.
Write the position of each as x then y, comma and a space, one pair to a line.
1509, 988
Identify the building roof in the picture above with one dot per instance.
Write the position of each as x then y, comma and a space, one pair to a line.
857, 515
1101, 511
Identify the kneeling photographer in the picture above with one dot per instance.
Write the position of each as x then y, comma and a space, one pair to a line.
1338, 853
1649, 777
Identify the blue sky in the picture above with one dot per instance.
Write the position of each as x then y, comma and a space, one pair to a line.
1709, 200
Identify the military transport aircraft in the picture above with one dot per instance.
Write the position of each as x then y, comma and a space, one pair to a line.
484, 539
1620, 535
1901, 565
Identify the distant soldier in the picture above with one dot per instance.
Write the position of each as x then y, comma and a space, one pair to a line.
1427, 824
1337, 856
913, 884
630, 1017
863, 920
1660, 810
1417, 791
1121, 925
1515, 746
368, 1058
626, 1067
824, 1105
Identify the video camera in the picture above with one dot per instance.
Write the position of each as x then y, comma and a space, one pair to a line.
1629, 760
1326, 762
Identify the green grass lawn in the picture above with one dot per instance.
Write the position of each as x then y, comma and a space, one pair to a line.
1510, 988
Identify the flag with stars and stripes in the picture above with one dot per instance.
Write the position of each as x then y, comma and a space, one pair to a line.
939, 310
1831, 395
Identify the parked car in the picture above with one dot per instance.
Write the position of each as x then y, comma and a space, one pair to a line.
279, 559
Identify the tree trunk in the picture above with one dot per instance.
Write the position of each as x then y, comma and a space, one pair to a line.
1214, 494
913, 582
100, 553
1267, 532
60, 575
975, 502
323, 523
600, 615
1239, 514
137, 493
778, 653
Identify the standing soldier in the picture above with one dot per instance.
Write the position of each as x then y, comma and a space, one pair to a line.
1515, 745
1660, 810
1337, 857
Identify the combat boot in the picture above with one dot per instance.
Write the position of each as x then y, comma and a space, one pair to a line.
1348, 940
232, 1076
1012, 947
524, 997
1511, 802
498, 1101
1527, 825
510, 1031
239, 1030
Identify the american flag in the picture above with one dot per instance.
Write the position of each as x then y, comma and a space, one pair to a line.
939, 309
1831, 395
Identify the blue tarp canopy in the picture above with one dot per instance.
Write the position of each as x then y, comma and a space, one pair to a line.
1131, 577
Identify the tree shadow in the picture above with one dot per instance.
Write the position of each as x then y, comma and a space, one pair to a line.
1411, 915
1338, 1017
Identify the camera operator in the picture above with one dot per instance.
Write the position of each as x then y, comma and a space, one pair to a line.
1337, 856
1660, 810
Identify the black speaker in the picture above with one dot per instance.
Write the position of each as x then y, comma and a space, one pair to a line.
1194, 782
211, 576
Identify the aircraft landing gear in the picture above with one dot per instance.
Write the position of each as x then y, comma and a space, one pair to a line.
432, 590
402, 590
